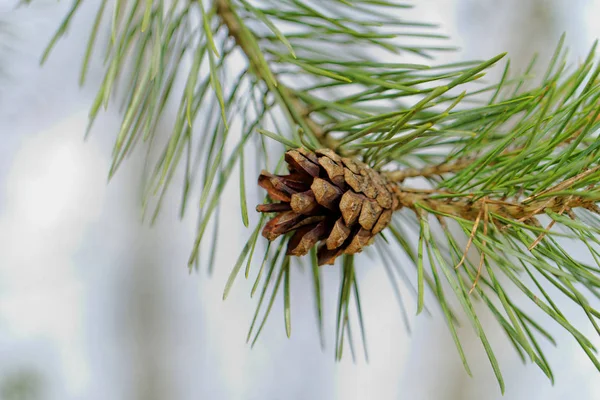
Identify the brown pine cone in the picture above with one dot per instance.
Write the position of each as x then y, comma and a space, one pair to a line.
325, 198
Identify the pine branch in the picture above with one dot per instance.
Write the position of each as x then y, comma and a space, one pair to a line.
446, 204
511, 167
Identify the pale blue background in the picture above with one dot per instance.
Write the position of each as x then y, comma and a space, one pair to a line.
97, 306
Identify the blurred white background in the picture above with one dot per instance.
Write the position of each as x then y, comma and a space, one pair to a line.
96, 305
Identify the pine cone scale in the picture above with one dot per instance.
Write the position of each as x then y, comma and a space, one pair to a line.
351, 165
300, 163
360, 240
282, 223
274, 207
382, 222
339, 234
350, 206
369, 214
332, 155
308, 221
304, 203
356, 182
305, 238
334, 171
264, 181
326, 194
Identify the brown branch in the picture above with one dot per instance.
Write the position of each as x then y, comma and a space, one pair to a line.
466, 208
433, 170
297, 110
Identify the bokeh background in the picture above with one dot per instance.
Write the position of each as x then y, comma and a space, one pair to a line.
95, 304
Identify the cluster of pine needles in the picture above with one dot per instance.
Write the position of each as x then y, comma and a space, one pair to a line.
497, 178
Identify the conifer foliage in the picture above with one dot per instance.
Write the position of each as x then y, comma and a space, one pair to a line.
444, 164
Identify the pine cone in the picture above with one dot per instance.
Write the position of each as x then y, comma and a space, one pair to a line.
325, 198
